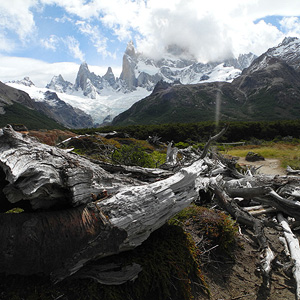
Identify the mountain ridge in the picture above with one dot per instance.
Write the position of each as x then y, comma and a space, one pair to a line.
105, 97
17, 107
49, 103
268, 89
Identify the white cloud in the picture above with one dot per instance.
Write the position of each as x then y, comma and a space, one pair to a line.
98, 40
6, 45
51, 43
291, 26
40, 72
205, 38
64, 19
209, 30
16, 16
73, 46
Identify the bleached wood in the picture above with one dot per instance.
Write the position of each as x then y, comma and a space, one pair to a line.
259, 212
266, 262
294, 249
256, 207
146, 208
290, 170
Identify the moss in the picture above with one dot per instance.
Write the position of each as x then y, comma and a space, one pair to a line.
170, 268
170, 271
15, 210
217, 227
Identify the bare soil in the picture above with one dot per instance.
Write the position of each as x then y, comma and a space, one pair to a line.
239, 277
267, 166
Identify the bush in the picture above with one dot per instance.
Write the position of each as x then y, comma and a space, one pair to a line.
132, 155
182, 145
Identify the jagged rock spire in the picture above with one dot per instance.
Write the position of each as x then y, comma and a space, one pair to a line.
82, 76
128, 67
110, 77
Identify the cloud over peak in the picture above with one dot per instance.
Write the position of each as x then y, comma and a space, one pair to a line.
208, 30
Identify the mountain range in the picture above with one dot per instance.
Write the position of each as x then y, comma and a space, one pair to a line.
104, 97
175, 88
269, 89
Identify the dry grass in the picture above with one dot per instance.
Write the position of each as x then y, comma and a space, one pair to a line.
288, 154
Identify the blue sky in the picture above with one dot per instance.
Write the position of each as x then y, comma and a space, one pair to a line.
42, 38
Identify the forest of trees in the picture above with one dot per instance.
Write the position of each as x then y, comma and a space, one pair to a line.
200, 132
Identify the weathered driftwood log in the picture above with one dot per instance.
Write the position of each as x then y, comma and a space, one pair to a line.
294, 250
292, 171
142, 174
48, 177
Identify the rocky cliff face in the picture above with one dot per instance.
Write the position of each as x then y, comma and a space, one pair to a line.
130, 60
110, 77
85, 78
91, 84
141, 71
288, 51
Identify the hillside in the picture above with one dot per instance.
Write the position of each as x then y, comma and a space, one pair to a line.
20, 114
16, 107
182, 103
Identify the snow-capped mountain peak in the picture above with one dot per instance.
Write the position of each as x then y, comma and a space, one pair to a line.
59, 84
25, 81
288, 50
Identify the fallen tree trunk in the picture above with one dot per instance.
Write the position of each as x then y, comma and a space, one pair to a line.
49, 178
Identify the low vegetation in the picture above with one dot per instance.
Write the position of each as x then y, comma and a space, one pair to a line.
287, 153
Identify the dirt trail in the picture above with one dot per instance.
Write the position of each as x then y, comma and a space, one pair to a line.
268, 166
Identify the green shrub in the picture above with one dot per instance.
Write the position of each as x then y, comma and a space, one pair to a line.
158, 158
132, 155
15, 210
182, 145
